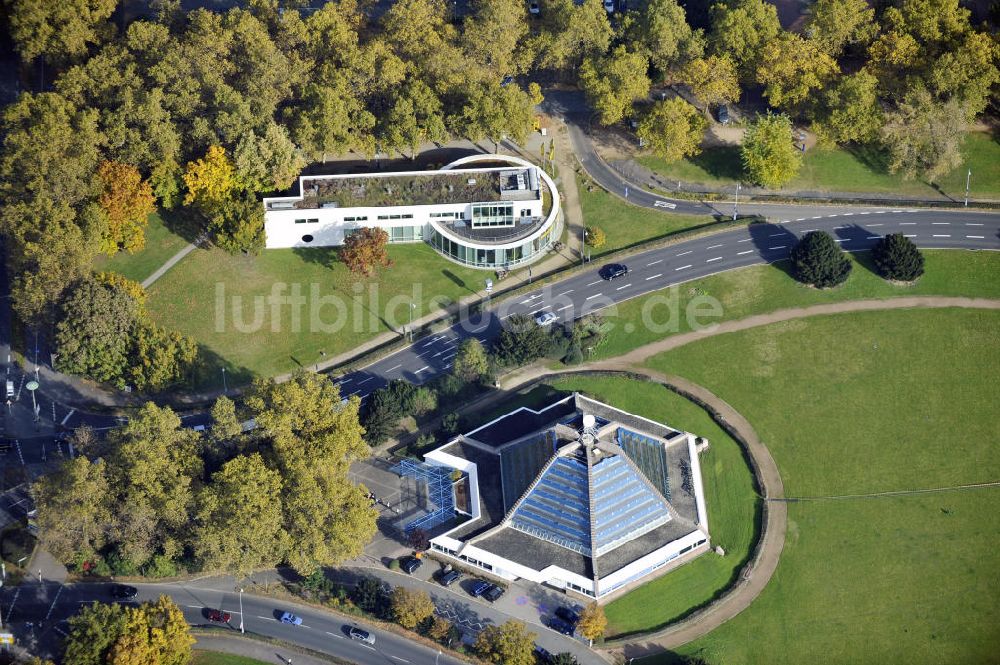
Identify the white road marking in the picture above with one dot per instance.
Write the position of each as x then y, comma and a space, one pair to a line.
340, 637
596, 295
685, 253
745, 240
749, 251
848, 214
881, 212
654, 262
659, 274
266, 618
448, 366
449, 357
778, 247
911, 235
773, 235
976, 237
370, 378
422, 369
564, 307
907, 223
564, 293
717, 246
530, 298
681, 268
842, 240
402, 660
880, 224
940, 223
801, 219
972, 224
864, 213
941, 236
718, 258
193, 607
68, 416
597, 282
845, 226
897, 211
834, 215
624, 287
392, 368
53, 605
664, 204
818, 217
873, 237
433, 339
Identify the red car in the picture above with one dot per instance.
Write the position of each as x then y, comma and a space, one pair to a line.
219, 616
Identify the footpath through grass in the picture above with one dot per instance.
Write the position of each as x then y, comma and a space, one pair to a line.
762, 289
161, 244
858, 403
224, 303
626, 225
852, 169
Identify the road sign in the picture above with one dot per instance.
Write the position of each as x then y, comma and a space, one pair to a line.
6, 638
664, 204
31, 385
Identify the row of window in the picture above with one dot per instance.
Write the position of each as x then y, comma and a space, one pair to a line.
492, 214
493, 258
445, 215
363, 218
307, 221
407, 216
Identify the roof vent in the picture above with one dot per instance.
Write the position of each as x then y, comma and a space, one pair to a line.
587, 439
589, 421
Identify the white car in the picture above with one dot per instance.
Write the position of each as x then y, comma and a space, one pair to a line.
545, 318
609, 6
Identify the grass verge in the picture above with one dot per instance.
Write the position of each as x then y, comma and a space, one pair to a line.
216, 658
161, 244
852, 169
856, 403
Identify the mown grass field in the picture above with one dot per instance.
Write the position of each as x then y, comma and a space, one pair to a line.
862, 403
200, 295
729, 496
848, 170
216, 658
624, 224
161, 244
761, 289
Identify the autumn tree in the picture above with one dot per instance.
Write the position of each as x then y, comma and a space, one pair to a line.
592, 622
673, 129
209, 180
239, 519
819, 261
967, 73
312, 437
791, 69
267, 161
924, 136
594, 236
740, 30
850, 111
365, 250
509, 644
572, 33
493, 111
410, 608
713, 80
769, 157
59, 31
836, 24
495, 35
415, 116
897, 258
614, 82
154, 633
237, 224
127, 200
73, 508
662, 29
471, 362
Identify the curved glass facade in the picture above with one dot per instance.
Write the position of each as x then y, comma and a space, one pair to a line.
484, 256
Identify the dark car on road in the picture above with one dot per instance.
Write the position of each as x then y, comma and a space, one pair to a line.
561, 626
568, 614
493, 593
613, 271
449, 577
218, 616
361, 635
124, 592
410, 564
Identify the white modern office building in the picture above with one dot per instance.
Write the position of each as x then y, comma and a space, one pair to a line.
484, 211
578, 496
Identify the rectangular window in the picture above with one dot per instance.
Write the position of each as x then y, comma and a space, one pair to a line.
381, 217
492, 214
312, 221
363, 218
300, 221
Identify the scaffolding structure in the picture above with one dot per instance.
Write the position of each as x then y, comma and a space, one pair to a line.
440, 496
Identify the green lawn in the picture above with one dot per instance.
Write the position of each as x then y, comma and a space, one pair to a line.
847, 169
761, 289
216, 658
161, 244
626, 225
859, 403
188, 299
729, 496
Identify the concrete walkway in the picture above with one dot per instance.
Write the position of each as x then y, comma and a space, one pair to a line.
172, 261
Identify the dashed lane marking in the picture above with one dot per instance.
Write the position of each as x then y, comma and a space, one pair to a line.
681, 268
773, 235
876, 224
654, 262
597, 282
624, 287
68, 416
564, 293
881, 212
402, 660
745, 240
422, 369
778, 247
717, 246
976, 237
842, 240
685, 253
370, 378
972, 224
596, 295
339, 637
940, 223
564, 307
873, 237
941, 236
657, 275
907, 223
393, 368
718, 258
865, 213
801, 219
749, 251
910, 235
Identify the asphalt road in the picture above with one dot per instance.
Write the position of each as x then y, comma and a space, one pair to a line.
48, 606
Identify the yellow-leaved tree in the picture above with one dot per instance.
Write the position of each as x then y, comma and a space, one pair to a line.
210, 180
127, 200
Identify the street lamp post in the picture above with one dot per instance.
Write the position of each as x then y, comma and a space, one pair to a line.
32, 386
736, 202
413, 306
241, 610
225, 386
968, 179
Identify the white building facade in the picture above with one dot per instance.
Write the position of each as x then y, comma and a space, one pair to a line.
473, 211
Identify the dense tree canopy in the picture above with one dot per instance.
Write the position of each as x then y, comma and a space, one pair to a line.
673, 129
614, 82
897, 258
153, 633
769, 156
924, 136
819, 261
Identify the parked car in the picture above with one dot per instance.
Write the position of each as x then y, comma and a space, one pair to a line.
449, 577
124, 592
493, 593
609, 6
507, 80
361, 635
288, 617
410, 564
479, 588
613, 271
723, 114
218, 616
533, 8
568, 614
561, 626
545, 318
